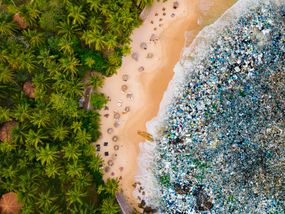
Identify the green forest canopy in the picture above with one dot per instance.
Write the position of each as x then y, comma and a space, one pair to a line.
46, 48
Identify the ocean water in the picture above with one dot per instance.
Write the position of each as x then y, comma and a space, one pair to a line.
220, 133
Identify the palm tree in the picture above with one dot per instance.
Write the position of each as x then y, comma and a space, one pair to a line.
34, 138
76, 13
74, 195
71, 151
7, 28
143, 3
109, 206
94, 39
76, 126
27, 61
52, 170
83, 137
18, 134
40, 118
95, 164
30, 14
67, 30
95, 23
3, 55
69, 64
41, 81
94, 5
59, 132
6, 75
65, 46
21, 112
47, 155
97, 81
5, 114
111, 186
111, 41
45, 200
74, 169
34, 37
9, 172
45, 57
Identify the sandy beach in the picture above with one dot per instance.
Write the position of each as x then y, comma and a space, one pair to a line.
136, 90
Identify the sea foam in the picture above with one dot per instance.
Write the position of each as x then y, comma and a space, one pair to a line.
191, 57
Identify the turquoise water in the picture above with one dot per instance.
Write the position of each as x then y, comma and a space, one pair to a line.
221, 145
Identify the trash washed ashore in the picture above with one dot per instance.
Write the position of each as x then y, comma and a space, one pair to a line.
220, 134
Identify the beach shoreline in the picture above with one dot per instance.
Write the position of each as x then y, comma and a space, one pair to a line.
146, 87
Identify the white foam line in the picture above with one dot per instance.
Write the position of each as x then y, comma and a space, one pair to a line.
198, 50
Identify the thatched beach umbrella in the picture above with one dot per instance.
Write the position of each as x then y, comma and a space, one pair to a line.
116, 124
115, 138
175, 5
110, 130
143, 45
149, 55
153, 38
127, 109
116, 147
110, 163
124, 88
135, 56
116, 115
125, 77
141, 69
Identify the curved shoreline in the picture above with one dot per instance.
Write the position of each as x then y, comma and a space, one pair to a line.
198, 49
147, 87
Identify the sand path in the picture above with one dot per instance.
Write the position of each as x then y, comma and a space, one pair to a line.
148, 70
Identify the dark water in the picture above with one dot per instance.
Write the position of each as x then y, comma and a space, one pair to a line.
223, 148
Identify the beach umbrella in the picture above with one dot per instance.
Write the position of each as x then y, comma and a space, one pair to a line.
116, 147
135, 56
124, 88
143, 45
125, 77
110, 130
115, 138
149, 55
127, 108
175, 5
117, 115
116, 124
141, 69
